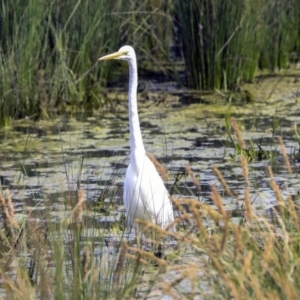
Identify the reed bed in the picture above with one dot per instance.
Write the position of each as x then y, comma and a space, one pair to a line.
224, 43
215, 256
49, 51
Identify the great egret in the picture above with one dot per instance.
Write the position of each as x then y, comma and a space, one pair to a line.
145, 196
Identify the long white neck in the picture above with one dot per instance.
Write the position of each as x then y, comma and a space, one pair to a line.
136, 142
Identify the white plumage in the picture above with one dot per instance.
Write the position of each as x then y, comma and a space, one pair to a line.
145, 196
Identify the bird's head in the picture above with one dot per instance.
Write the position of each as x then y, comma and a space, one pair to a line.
125, 53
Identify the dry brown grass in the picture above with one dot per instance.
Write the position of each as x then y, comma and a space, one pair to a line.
257, 258
222, 181
285, 156
78, 209
159, 167
193, 178
238, 133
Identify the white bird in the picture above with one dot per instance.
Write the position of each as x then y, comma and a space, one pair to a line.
145, 196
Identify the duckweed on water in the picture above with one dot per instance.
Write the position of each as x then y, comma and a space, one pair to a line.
63, 255
238, 223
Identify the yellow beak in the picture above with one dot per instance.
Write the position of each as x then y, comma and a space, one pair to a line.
113, 55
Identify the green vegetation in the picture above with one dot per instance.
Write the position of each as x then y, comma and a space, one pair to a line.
48, 53
224, 42
281, 30
249, 153
49, 50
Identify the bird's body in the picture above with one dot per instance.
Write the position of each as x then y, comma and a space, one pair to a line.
145, 196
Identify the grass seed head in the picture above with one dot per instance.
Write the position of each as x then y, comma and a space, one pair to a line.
285, 156
78, 210
159, 167
222, 181
192, 175
248, 206
244, 163
216, 198
238, 133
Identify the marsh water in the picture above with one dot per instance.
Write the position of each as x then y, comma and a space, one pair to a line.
48, 159
43, 163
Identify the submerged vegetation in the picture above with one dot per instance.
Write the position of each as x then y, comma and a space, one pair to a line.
214, 253
49, 49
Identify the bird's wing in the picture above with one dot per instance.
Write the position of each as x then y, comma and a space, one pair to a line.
145, 196
155, 195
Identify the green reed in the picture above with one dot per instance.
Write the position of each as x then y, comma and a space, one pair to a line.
281, 34
50, 50
224, 42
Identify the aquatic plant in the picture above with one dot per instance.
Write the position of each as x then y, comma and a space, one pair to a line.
49, 51
223, 43
250, 152
47, 58
280, 44
217, 255
216, 38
